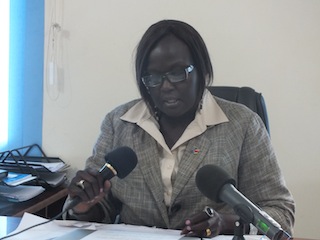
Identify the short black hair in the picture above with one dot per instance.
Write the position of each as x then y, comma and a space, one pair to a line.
186, 34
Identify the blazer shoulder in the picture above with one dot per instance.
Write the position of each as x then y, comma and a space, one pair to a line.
123, 108
233, 109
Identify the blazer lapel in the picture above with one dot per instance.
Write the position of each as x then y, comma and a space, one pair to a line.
194, 154
150, 169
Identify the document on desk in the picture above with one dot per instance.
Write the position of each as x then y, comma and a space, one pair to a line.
63, 230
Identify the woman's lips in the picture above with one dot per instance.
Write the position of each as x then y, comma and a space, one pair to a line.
171, 102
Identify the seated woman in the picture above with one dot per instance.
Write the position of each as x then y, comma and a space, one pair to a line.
176, 128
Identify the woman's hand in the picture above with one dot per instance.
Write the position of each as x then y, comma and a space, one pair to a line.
208, 223
89, 186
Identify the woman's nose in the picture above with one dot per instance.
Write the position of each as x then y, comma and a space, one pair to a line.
166, 84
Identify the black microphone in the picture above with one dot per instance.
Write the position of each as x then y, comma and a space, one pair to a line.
217, 185
119, 162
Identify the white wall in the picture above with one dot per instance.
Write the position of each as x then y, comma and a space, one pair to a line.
273, 46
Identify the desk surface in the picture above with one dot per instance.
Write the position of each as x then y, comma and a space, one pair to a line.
35, 204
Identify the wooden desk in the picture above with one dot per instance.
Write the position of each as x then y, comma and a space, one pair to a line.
48, 204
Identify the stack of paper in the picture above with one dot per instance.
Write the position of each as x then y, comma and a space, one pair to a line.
20, 193
47, 173
31, 163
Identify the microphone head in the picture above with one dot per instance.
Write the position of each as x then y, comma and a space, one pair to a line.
123, 160
210, 179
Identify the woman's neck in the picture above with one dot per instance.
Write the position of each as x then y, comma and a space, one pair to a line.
173, 127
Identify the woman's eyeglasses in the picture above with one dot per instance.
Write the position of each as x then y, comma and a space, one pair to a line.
155, 80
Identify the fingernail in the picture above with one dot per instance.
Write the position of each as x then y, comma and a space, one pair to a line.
188, 222
188, 228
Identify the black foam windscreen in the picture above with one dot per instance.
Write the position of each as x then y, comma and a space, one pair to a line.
123, 160
210, 179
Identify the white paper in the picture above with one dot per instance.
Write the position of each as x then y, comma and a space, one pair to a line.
59, 228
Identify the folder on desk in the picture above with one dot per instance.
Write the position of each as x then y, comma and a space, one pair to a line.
14, 179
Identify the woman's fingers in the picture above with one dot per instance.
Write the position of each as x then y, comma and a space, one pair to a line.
86, 184
203, 224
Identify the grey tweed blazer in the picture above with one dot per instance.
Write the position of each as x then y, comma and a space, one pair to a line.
241, 147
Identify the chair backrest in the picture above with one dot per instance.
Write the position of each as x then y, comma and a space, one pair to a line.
246, 96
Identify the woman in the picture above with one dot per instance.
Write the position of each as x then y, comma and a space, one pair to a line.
175, 129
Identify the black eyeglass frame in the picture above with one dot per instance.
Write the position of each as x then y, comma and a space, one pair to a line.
172, 78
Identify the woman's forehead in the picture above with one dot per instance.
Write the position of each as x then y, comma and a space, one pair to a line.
169, 50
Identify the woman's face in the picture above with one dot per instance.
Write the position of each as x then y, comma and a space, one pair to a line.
173, 99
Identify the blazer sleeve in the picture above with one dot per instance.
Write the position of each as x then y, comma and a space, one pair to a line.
260, 178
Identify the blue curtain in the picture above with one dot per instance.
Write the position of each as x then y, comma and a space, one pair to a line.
25, 73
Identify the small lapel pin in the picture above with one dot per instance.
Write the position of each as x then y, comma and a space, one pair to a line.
196, 151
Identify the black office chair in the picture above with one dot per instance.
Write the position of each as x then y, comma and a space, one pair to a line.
246, 96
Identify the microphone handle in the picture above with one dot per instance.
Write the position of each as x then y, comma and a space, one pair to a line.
250, 213
74, 202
